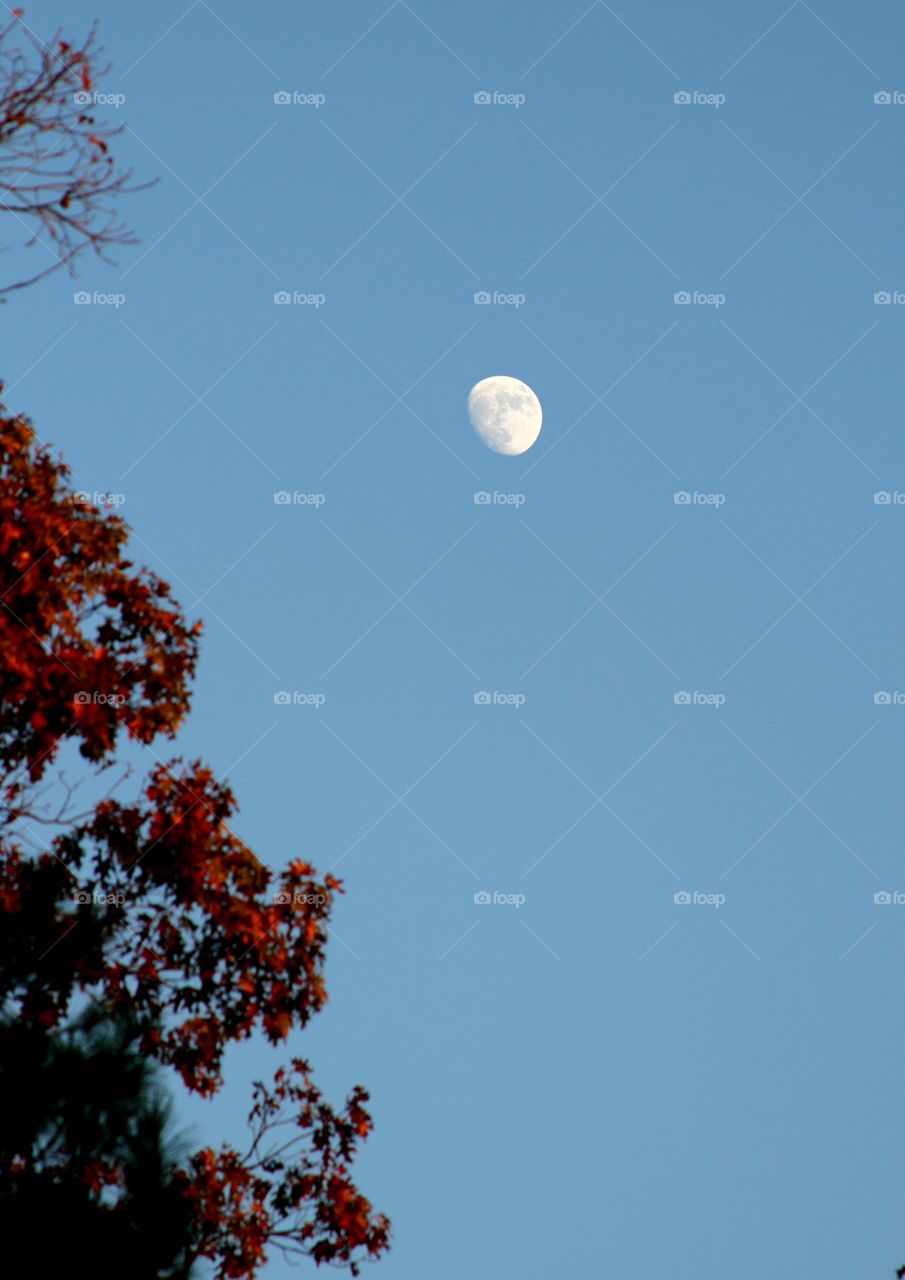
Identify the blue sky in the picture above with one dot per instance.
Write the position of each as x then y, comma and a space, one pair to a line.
600, 1080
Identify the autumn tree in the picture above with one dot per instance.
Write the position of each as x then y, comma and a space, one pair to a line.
135, 931
153, 908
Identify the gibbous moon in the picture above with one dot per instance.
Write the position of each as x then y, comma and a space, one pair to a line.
505, 413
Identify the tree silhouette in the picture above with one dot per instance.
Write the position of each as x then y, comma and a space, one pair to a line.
86, 1133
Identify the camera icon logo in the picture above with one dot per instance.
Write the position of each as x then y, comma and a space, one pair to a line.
682, 98
682, 298
482, 297
81, 99
282, 298
82, 298
482, 97
481, 498
282, 699
482, 699
282, 497
682, 898
883, 98
681, 699
82, 697
882, 498
882, 298
281, 97
282, 899
682, 498
882, 699
81, 897
882, 899
482, 898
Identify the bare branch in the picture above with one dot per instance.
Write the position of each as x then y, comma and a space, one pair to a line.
58, 179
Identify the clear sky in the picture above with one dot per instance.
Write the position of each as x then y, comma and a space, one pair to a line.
597, 1080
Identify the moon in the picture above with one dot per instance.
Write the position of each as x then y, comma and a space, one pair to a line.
505, 413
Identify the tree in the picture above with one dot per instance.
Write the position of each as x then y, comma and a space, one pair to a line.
87, 1130
154, 908
145, 932
57, 175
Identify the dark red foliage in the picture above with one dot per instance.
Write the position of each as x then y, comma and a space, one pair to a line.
91, 646
155, 908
